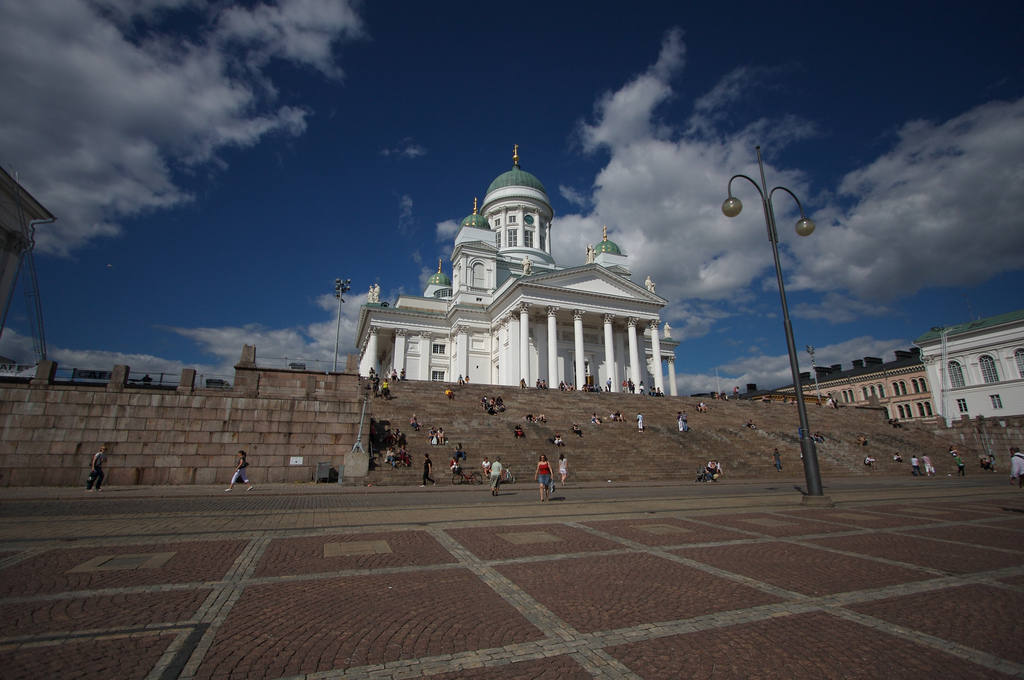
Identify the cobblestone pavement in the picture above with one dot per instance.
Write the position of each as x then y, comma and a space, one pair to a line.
897, 581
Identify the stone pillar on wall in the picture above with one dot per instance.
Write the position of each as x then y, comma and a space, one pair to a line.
399, 352
577, 328
187, 383
672, 377
634, 353
118, 378
45, 372
609, 352
524, 343
659, 379
552, 346
248, 358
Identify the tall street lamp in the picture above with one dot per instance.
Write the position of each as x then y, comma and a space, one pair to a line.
340, 288
731, 208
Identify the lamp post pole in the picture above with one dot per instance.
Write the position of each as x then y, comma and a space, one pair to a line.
340, 288
731, 208
944, 374
817, 390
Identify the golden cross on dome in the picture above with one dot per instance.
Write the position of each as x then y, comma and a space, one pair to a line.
438, 265
604, 233
474, 205
515, 155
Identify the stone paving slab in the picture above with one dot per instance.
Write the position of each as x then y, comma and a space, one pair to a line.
307, 555
551, 668
666, 531
803, 646
942, 555
504, 542
53, 571
776, 525
611, 591
977, 615
123, 657
291, 628
975, 534
860, 518
803, 569
120, 610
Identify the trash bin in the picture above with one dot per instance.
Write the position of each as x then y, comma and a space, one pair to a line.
323, 472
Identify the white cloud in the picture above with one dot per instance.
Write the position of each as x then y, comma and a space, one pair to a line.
925, 213
137, 107
407, 148
446, 230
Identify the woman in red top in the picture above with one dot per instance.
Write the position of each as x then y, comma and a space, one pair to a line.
543, 476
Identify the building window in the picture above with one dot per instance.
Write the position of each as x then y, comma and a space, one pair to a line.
997, 402
899, 409
920, 410
511, 219
540, 236
438, 348
437, 376
497, 221
479, 279
961, 404
881, 391
988, 369
512, 238
1019, 356
528, 238
443, 293
924, 386
928, 407
497, 239
865, 391
956, 375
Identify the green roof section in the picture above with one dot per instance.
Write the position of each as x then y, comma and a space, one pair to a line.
972, 326
516, 178
476, 219
439, 278
606, 246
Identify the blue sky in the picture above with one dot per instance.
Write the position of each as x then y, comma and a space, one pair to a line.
215, 166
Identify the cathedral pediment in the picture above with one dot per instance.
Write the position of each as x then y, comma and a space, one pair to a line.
594, 280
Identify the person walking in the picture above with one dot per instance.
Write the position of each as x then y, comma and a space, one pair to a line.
563, 467
777, 458
240, 474
96, 471
640, 422
428, 467
681, 419
543, 477
1017, 467
960, 467
496, 468
929, 469
915, 466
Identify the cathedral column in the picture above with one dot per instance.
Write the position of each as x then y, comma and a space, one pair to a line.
609, 352
672, 376
659, 378
634, 356
524, 342
552, 346
370, 355
426, 354
577, 327
399, 356
461, 352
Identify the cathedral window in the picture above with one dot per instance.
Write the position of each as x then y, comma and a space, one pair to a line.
528, 238
437, 376
1019, 356
497, 221
512, 238
989, 373
541, 238
956, 375
511, 219
438, 348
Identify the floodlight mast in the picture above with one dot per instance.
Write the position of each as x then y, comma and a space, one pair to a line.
340, 288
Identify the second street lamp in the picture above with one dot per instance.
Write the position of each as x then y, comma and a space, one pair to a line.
804, 227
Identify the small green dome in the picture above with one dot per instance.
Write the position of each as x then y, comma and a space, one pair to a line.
439, 278
476, 220
606, 246
516, 178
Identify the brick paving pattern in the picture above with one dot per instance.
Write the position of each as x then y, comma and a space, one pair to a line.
918, 583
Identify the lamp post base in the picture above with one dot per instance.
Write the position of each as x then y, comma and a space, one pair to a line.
818, 501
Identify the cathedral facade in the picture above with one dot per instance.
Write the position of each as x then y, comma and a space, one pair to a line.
510, 313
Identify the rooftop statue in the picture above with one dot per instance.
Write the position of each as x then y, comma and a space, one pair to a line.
649, 283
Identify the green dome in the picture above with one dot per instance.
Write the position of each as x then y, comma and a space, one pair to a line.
607, 246
476, 220
439, 279
516, 178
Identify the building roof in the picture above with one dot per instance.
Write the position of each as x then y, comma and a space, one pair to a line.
606, 246
516, 177
971, 326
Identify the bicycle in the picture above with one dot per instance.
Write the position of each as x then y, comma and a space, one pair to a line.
463, 477
507, 477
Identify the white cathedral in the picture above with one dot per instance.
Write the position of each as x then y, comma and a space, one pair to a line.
509, 312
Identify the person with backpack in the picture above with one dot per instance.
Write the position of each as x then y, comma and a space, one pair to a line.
240, 475
96, 472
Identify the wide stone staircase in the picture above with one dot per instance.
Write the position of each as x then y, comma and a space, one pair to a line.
617, 451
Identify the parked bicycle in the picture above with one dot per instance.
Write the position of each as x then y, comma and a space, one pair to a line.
460, 476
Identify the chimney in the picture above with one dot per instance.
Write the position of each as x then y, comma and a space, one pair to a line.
872, 361
858, 363
836, 368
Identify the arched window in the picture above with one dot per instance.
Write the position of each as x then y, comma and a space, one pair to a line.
956, 375
988, 369
479, 276
928, 407
881, 391
1019, 356
924, 386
